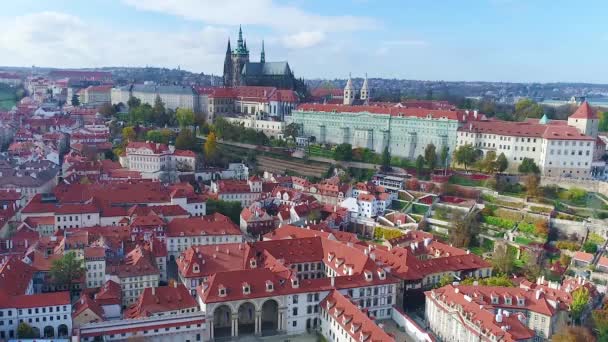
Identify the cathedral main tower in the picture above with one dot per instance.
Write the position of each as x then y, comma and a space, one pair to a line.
234, 62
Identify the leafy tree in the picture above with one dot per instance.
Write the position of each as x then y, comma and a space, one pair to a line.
185, 117
465, 155
501, 163
530, 268
430, 156
527, 108
590, 247
532, 185
386, 159
464, 228
185, 140
603, 125
159, 113
143, 114
502, 259
488, 163
210, 146
580, 299
444, 155
228, 208
107, 110
75, 100
67, 269
162, 136
573, 334
528, 166
128, 134
343, 152
564, 259
25, 331
292, 130
133, 102
419, 165
600, 320
446, 279
501, 280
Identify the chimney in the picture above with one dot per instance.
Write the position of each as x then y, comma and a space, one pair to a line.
332, 281
153, 291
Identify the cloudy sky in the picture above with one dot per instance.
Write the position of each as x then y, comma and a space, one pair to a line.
486, 40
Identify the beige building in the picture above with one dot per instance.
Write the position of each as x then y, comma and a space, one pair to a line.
96, 95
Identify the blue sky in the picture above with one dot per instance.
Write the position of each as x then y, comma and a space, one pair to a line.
485, 40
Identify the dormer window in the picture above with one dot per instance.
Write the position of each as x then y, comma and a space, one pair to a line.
507, 300
368, 275
330, 256
520, 301
494, 299
195, 268
381, 274
222, 291
269, 286
246, 289
253, 263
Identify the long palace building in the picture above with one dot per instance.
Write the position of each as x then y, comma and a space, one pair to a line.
406, 131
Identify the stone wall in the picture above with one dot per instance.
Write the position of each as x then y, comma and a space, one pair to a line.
587, 184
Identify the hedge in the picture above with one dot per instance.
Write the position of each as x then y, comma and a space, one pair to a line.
498, 222
386, 234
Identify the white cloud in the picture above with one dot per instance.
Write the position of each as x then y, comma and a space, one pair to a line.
303, 40
254, 12
62, 40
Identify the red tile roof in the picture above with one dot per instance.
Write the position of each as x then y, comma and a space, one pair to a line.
15, 276
352, 319
214, 224
155, 301
41, 299
156, 148
584, 111
525, 129
582, 256
211, 259
138, 262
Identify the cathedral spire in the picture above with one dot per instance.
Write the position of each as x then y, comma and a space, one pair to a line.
365, 90
240, 41
228, 49
263, 54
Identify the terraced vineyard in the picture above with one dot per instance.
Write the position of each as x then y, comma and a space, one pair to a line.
301, 168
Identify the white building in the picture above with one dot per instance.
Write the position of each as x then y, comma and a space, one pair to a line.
559, 148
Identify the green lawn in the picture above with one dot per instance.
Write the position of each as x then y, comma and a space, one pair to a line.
523, 240
466, 181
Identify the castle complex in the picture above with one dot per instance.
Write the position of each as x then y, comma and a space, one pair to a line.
239, 71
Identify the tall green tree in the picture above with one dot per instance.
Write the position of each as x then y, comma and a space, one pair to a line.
159, 112
501, 163
600, 321
343, 152
503, 259
488, 163
419, 165
528, 166
444, 156
128, 134
386, 159
185, 140
75, 100
430, 156
185, 117
465, 155
292, 130
210, 146
25, 331
603, 125
463, 229
527, 108
133, 102
107, 110
67, 269
580, 299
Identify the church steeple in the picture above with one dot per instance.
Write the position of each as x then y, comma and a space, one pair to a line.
349, 92
365, 90
228, 49
240, 41
263, 54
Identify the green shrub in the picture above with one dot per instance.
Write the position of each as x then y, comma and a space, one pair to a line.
526, 228
498, 222
386, 234
569, 245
